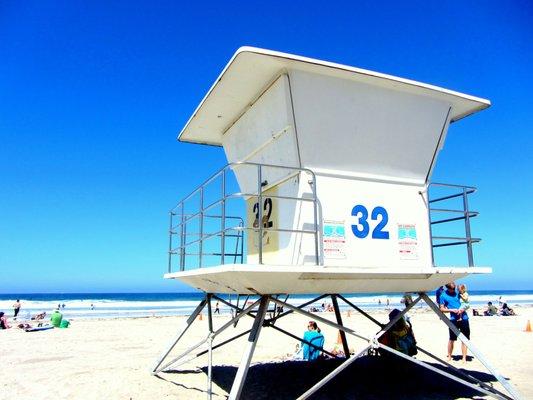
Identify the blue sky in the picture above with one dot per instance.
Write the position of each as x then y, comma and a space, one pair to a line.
92, 95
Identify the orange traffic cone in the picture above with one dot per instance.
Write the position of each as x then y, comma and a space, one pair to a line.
528, 326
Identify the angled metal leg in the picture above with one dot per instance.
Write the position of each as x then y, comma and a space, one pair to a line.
339, 321
391, 323
210, 350
438, 371
209, 336
359, 310
185, 353
301, 306
188, 323
238, 383
461, 372
333, 374
470, 346
321, 319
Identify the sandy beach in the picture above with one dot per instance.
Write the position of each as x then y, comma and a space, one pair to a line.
111, 359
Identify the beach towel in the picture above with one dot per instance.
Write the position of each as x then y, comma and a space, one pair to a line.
317, 339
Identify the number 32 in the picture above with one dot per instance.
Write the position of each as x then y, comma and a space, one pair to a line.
362, 228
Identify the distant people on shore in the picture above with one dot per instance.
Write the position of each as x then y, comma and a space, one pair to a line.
406, 299
3, 321
16, 308
450, 302
324, 307
506, 310
491, 309
217, 308
39, 316
314, 336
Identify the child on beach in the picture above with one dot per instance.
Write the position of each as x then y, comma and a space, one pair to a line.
463, 298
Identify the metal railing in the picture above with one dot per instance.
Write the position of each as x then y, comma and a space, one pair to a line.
179, 218
452, 214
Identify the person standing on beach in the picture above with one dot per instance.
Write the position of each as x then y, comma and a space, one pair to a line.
16, 308
438, 293
450, 303
217, 309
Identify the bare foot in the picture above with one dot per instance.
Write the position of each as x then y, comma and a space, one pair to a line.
463, 361
449, 358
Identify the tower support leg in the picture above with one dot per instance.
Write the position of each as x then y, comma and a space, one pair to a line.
238, 383
188, 324
210, 350
338, 316
470, 346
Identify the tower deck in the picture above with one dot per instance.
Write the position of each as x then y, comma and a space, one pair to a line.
290, 279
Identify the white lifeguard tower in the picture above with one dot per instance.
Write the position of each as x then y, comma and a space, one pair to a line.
333, 167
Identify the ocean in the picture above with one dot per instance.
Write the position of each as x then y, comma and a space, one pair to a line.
121, 305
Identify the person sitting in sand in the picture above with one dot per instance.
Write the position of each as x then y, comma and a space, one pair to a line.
400, 336
37, 317
298, 353
506, 311
3, 321
314, 336
491, 309
56, 318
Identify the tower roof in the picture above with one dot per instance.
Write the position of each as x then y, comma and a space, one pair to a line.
251, 70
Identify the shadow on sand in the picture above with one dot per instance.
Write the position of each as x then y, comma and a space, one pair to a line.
367, 378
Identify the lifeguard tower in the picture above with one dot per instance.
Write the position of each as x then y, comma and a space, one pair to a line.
333, 167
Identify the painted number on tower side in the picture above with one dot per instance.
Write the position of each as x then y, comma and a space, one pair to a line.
362, 228
267, 208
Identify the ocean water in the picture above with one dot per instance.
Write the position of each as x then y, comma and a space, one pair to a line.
120, 305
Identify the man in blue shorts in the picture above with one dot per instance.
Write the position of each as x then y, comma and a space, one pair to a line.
451, 303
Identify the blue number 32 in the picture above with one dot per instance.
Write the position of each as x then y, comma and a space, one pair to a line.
362, 228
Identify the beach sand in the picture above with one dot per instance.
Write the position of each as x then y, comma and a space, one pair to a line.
111, 359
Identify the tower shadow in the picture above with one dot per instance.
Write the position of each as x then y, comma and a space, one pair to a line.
369, 378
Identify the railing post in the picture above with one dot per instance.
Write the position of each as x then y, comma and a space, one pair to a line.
241, 224
260, 212
201, 242
223, 220
315, 214
183, 238
170, 243
430, 225
467, 229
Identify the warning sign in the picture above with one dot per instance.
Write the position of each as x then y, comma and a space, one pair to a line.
334, 239
407, 242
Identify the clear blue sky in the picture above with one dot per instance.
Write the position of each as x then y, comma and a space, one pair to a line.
92, 95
